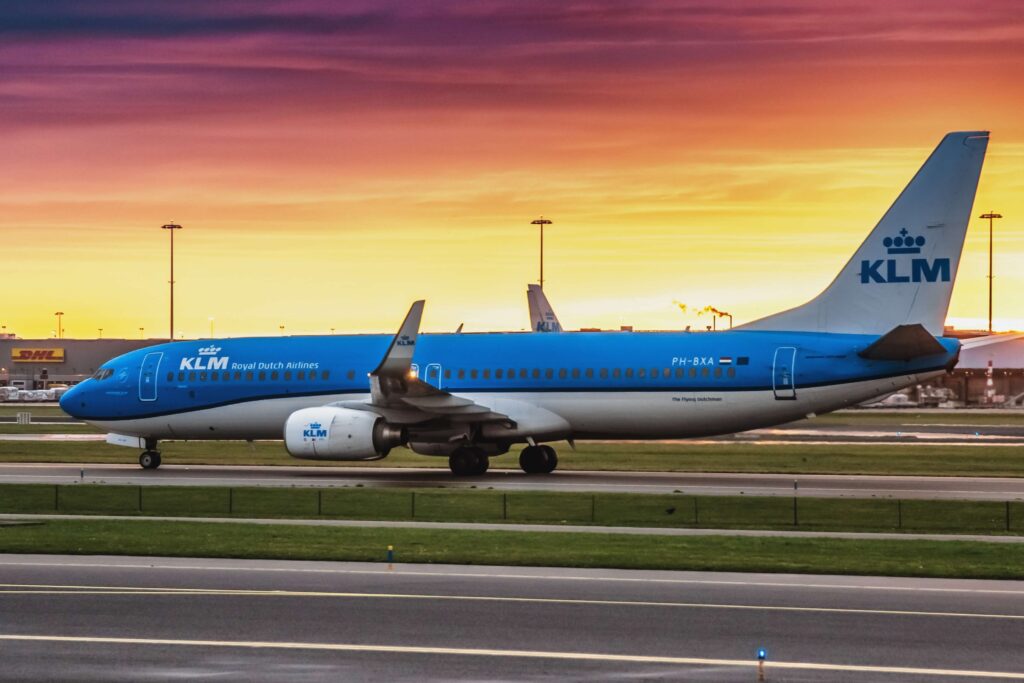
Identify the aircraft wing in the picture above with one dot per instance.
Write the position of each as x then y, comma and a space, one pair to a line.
398, 395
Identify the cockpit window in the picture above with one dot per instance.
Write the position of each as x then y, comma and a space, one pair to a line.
103, 373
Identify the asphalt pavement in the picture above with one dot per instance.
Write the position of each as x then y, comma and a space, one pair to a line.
134, 619
854, 486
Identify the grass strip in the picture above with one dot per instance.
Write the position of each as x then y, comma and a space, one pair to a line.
952, 559
871, 459
462, 505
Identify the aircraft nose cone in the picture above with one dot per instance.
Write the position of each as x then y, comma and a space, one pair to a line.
67, 400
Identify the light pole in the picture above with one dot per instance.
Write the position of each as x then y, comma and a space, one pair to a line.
101, 332
541, 222
171, 227
142, 333
281, 327
60, 325
991, 216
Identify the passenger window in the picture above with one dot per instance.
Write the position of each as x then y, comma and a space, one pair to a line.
462, 374
616, 373
641, 373
238, 375
523, 374
562, 373
326, 374
274, 375
312, 374
225, 376
604, 373
666, 373
447, 374
213, 376
575, 373
191, 377
536, 373
704, 372
301, 374
263, 376
718, 372
351, 374
487, 373
693, 372
248, 375
549, 373
731, 372
473, 373
679, 373
170, 376
287, 375
499, 374
181, 376
629, 373
589, 373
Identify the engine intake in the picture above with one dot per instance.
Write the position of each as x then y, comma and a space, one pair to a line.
328, 433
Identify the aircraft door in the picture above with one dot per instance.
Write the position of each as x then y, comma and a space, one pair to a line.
783, 383
433, 375
148, 375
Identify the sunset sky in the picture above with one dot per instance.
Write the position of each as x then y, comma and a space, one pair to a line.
333, 161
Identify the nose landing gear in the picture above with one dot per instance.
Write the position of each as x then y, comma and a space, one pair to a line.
150, 458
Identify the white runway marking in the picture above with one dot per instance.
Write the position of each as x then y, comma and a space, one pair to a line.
526, 654
39, 589
405, 571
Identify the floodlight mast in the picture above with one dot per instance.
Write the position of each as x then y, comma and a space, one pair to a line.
991, 216
541, 222
171, 227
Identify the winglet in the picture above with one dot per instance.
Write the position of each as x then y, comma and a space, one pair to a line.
398, 360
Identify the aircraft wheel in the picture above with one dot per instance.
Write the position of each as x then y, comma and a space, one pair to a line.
550, 459
149, 460
467, 462
533, 460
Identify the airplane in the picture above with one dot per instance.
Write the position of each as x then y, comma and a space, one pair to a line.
542, 315
470, 397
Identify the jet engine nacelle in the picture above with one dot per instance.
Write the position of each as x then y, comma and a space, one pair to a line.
328, 433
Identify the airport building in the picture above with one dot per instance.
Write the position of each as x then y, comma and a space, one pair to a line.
35, 364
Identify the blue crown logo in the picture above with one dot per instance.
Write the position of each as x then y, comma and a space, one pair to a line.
904, 243
314, 425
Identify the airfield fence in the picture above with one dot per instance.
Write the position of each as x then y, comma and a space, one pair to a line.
467, 505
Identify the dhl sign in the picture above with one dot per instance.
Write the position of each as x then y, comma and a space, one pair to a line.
37, 355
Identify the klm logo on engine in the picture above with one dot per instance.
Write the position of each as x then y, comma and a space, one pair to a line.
207, 360
893, 270
314, 431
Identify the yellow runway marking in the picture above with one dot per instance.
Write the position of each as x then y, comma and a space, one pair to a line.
526, 654
41, 589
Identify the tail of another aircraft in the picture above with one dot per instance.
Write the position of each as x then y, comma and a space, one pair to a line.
542, 316
904, 271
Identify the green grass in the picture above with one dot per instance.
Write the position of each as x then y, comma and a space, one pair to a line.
709, 553
9, 409
888, 459
461, 505
47, 428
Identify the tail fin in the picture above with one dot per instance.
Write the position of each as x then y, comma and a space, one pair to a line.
542, 316
904, 271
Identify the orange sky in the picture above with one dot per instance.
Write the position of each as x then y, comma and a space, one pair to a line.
332, 162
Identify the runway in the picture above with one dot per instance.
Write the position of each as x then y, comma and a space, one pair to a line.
831, 486
114, 619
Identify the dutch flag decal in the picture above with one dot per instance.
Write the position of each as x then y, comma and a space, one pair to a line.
725, 360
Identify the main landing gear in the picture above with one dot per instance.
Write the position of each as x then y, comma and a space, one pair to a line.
150, 458
468, 462
538, 459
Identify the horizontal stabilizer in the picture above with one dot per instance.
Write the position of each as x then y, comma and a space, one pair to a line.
904, 342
